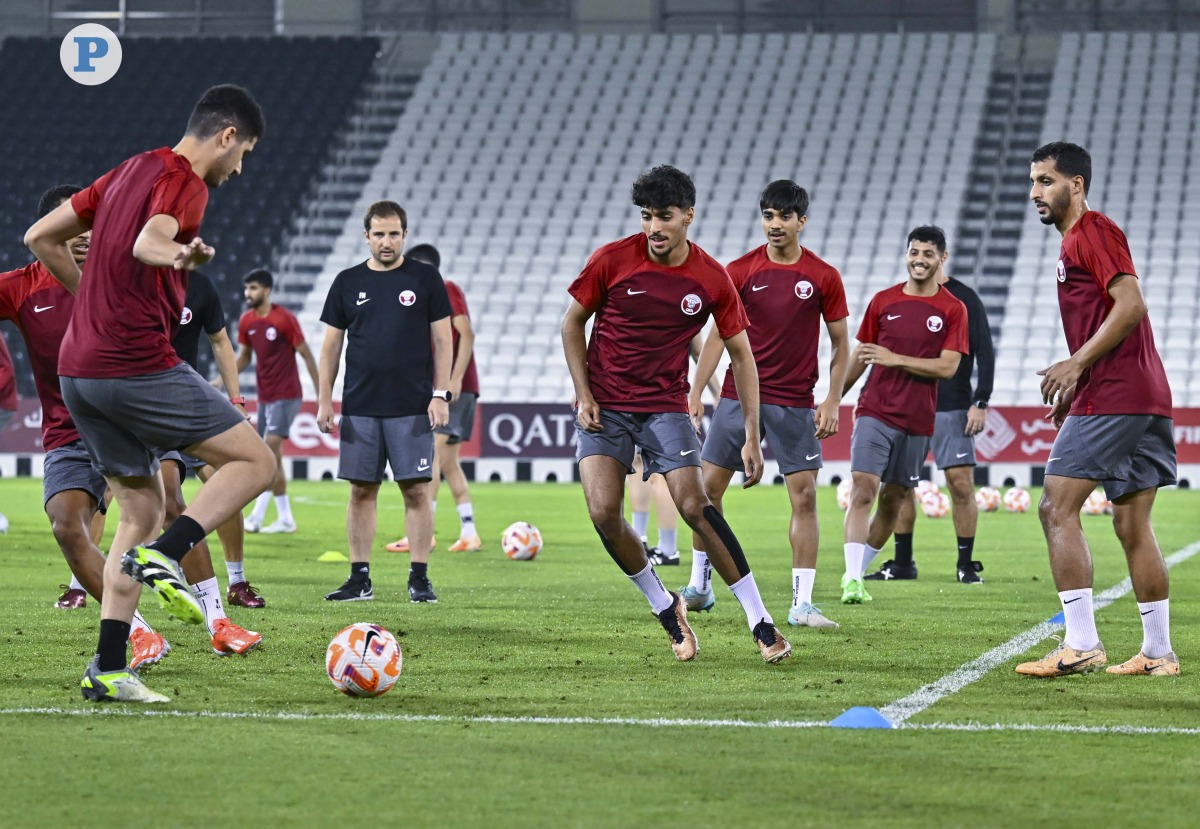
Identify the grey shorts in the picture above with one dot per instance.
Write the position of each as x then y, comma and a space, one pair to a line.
666, 439
1125, 453
275, 418
128, 423
882, 450
952, 446
462, 419
70, 467
370, 443
185, 462
791, 432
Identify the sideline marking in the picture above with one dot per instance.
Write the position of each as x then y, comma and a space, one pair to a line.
900, 710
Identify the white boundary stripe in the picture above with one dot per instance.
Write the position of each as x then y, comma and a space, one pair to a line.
661, 722
916, 702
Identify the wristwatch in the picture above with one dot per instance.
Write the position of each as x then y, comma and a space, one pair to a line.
442, 394
238, 401
980, 404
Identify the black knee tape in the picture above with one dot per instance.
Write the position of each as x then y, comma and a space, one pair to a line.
721, 528
613, 553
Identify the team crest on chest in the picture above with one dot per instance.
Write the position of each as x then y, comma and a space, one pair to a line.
272, 333
1062, 271
934, 323
804, 289
691, 305
187, 316
407, 298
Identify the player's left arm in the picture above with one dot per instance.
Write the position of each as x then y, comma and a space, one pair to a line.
443, 343
466, 345
1129, 308
745, 378
222, 350
826, 416
306, 354
47, 239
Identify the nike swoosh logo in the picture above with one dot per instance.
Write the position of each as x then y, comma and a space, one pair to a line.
915, 478
962, 454
632, 292
759, 287
370, 635
422, 468
1144, 612
361, 301
889, 316
1066, 666
1053, 459
1068, 601
810, 457
37, 309
688, 452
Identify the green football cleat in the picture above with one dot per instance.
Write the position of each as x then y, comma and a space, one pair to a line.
854, 591
163, 576
115, 686
695, 600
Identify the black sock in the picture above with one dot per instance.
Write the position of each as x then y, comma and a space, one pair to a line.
181, 536
966, 546
360, 571
114, 634
418, 571
904, 549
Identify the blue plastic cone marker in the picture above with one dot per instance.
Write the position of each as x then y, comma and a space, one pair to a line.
862, 716
1058, 619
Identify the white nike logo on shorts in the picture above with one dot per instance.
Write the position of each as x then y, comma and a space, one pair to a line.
632, 292
962, 454
759, 287
361, 301
1053, 459
896, 317
688, 452
915, 477
422, 468
37, 309
810, 457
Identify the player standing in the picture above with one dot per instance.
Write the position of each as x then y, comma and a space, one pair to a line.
787, 291
130, 396
397, 314
651, 293
271, 333
960, 417
913, 335
1112, 404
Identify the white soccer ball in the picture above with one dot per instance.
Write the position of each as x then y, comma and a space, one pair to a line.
521, 541
363, 660
988, 499
926, 487
935, 504
843, 494
1017, 500
1097, 504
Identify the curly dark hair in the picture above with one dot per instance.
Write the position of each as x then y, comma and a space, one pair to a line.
664, 186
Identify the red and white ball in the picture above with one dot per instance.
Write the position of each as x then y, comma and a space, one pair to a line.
935, 504
363, 660
843, 494
988, 499
1017, 500
1097, 504
521, 541
926, 487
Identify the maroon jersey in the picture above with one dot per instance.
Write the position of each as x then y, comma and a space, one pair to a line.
785, 304
646, 315
41, 308
915, 326
274, 338
1130, 379
458, 307
8, 379
128, 312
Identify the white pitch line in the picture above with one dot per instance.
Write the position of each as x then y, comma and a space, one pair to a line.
902, 709
661, 722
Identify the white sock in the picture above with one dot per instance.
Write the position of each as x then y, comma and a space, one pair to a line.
667, 541
433, 508
641, 521
284, 508
802, 585
869, 554
208, 594
139, 623
1156, 628
701, 572
75, 585
236, 572
854, 552
648, 582
1081, 619
467, 517
746, 592
260, 507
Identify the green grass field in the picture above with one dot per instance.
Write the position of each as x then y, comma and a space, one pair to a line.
544, 694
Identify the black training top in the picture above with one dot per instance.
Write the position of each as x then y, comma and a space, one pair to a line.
955, 394
201, 311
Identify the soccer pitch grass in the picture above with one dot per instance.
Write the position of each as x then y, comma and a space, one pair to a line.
544, 694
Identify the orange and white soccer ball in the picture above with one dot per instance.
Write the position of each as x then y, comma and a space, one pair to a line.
521, 541
926, 487
1017, 500
988, 499
935, 504
843, 494
363, 660
1097, 504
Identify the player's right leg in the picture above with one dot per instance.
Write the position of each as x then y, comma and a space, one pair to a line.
285, 521
362, 456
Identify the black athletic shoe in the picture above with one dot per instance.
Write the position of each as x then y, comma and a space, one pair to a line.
420, 590
970, 574
662, 557
890, 571
354, 590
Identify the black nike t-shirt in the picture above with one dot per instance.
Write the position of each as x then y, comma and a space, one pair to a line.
202, 311
389, 352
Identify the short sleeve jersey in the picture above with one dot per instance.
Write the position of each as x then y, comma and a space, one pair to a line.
915, 326
1130, 379
274, 338
646, 314
128, 311
389, 353
8, 379
458, 308
786, 304
41, 307
202, 311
